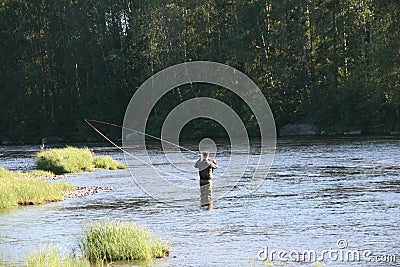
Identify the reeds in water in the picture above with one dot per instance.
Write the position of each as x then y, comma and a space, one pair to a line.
65, 160
116, 240
72, 159
108, 163
52, 257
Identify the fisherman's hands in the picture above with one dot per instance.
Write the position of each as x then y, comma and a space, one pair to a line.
214, 165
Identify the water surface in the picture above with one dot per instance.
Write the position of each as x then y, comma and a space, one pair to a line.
317, 192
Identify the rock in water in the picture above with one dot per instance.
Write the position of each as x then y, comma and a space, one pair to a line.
298, 129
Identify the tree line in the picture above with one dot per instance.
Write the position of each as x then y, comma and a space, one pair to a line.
333, 63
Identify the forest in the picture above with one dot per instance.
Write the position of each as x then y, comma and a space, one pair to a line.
332, 63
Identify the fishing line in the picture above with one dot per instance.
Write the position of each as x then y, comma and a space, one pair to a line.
88, 121
149, 135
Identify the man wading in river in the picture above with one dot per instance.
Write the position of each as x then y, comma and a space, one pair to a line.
206, 167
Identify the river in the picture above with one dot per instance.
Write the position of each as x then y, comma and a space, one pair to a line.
322, 194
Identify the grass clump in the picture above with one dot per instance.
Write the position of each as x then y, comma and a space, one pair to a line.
65, 160
51, 257
72, 159
108, 163
116, 240
22, 189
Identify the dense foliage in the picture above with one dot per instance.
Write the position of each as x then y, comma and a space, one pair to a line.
331, 62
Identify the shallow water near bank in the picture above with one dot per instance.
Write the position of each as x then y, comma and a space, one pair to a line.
317, 192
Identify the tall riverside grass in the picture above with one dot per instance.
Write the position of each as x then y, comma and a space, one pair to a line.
48, 256
72, 159
116, 240
22, 189
65, 160
107, 162
51, 257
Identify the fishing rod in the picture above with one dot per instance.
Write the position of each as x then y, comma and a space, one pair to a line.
88, 121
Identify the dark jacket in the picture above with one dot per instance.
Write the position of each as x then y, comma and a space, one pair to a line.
206, 168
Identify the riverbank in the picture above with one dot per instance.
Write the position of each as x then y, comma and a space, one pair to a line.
300, 129
19, 189
309, 129
32, 188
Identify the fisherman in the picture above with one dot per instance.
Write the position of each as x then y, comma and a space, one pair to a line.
206, 166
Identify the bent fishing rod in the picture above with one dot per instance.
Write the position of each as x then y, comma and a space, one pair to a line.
89, 122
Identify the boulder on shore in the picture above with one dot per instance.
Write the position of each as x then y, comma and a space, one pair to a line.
298, 129
52, 140
6, 141
353, 132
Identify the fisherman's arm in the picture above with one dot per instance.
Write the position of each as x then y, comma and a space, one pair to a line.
214, 164
197, 164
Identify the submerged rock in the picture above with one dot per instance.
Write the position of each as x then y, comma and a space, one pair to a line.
298, 129
82, 191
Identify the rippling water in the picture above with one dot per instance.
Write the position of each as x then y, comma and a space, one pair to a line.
317, 192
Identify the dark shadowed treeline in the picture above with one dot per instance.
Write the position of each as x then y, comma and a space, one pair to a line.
329, 62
